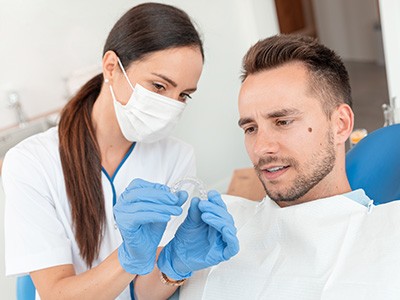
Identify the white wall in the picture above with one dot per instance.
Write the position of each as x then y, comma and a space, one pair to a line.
389, 10
43, 41
347, 27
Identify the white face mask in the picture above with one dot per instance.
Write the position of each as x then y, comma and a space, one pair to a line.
148, 116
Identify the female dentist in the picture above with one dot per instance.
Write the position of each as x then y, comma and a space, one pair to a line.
78, 219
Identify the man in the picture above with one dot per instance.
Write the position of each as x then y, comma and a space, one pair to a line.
311, 237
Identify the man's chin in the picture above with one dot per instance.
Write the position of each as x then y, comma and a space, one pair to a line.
276, 196
282, 196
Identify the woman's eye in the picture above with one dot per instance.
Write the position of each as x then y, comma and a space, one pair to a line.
184, 97
158, 87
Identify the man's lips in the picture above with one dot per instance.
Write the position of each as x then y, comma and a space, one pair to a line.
273, 172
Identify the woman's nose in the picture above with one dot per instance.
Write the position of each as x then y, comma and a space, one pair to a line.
173, 93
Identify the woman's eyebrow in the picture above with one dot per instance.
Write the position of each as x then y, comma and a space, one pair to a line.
169, 80
173, 83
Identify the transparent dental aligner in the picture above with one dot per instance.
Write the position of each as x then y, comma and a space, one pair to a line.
191, 181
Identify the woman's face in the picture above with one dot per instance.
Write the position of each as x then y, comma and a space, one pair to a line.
173, 73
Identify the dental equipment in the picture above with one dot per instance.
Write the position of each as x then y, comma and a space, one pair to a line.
196, 183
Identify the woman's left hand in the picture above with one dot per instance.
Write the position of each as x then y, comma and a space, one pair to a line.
206, 238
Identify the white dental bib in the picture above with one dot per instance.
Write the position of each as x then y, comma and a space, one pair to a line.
331, 248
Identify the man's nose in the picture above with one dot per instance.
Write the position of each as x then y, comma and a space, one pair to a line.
266, 143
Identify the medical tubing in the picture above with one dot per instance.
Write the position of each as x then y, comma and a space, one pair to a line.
178, 186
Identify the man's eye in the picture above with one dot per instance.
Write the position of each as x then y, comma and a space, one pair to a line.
249, 130
284, 122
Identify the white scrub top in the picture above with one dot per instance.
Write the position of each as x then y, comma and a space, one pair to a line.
38, 224
329, 249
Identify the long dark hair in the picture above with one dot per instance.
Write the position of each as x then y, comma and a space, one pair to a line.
144, 29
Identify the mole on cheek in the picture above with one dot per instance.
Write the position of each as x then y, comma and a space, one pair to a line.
309, 129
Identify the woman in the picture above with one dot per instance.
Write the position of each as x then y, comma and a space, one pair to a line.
60, 225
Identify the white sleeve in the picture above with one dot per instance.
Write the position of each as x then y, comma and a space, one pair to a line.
34, 236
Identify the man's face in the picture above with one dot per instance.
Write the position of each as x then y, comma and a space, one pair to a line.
288, 136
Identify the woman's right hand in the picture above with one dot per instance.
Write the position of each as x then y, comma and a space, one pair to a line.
142, 213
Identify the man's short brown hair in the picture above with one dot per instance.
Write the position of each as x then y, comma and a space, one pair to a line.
329, 77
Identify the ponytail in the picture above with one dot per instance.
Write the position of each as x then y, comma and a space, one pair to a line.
81, 164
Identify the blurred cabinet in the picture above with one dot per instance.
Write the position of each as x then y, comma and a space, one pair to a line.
296, 16
245, 183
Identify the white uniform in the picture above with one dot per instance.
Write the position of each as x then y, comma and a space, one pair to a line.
38, 224
329, 249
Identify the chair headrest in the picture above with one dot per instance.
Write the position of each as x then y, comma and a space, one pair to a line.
373, 164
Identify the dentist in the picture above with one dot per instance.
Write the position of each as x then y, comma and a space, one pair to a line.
78, 219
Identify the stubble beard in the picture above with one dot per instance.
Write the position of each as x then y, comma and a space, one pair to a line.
319, 166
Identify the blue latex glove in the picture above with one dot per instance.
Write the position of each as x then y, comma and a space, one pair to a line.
142, 213
206, 238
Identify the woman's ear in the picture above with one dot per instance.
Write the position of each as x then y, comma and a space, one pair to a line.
110, 65
344, 122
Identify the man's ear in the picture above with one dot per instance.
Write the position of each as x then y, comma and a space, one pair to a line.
343, 120
110, 65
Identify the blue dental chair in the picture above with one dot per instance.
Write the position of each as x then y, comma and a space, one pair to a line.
374, 164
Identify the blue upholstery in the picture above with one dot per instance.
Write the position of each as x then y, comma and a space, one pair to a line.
25, 288
374, 164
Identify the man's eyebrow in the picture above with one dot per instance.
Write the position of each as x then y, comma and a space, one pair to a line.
275, 114
243, 121
283, 113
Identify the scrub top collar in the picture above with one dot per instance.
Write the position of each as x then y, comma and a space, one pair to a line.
111, 179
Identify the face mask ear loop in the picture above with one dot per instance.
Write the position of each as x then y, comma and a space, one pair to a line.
112, 93
123, 71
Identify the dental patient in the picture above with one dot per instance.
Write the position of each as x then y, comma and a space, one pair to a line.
312, 237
